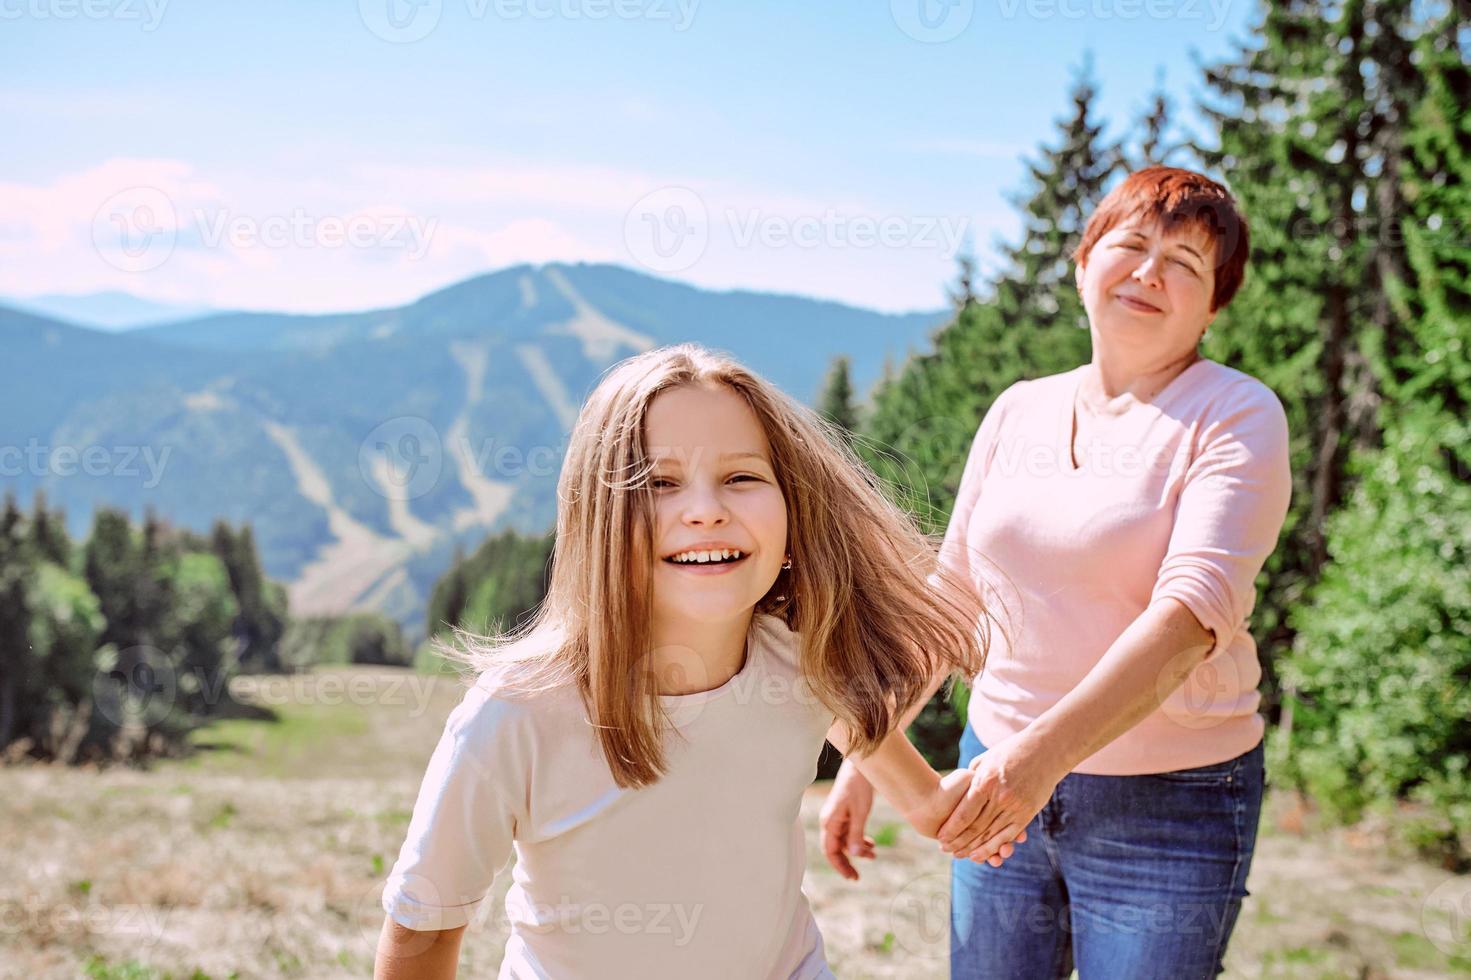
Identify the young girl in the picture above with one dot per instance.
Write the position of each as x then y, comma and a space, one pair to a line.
729, 587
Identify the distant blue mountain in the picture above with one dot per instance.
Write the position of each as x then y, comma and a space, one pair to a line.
364, 447
113, 311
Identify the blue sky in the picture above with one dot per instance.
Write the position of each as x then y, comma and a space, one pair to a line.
356, 153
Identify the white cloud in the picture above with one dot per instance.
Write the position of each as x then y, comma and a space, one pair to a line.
380, 234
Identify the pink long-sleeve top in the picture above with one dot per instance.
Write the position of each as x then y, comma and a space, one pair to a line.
1182, 496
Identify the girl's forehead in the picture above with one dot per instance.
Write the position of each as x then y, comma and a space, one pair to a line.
694, 423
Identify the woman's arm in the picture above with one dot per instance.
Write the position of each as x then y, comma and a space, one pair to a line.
406, 954
1014, 779
1227, 520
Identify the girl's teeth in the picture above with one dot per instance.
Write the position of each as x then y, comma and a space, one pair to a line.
705, 557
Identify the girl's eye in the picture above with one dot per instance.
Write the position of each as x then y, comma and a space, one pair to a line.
660, 483
745, 476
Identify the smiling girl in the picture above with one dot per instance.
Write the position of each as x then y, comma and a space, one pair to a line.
729, 587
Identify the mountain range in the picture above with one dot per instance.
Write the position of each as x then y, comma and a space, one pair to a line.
364, 447
110, 310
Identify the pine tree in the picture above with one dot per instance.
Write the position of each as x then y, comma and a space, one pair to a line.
1306, 115
449, 595
1432, 297
1157, 143
1065, 184
1383, 650
48, 532
836, 402
926, 415
258, 628
15, 651
113, 565
963, 293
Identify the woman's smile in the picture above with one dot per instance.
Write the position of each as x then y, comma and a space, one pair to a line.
1138, 305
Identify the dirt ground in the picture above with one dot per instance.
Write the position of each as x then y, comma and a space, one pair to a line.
264, 856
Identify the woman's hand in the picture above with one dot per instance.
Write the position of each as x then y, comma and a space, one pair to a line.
842, 819
1008, 785
935, 811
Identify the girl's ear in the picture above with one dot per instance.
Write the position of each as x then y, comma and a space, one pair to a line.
1078, 277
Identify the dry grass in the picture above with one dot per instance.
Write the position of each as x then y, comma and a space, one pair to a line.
265, 858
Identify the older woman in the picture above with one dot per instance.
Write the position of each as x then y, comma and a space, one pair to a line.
1119, 513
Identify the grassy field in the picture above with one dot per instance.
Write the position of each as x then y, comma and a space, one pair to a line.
264, 854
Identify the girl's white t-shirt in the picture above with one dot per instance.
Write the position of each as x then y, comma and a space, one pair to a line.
698, 875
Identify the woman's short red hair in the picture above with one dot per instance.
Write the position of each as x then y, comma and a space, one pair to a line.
1173, 196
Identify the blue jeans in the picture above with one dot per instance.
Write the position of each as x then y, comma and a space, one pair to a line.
1125, 876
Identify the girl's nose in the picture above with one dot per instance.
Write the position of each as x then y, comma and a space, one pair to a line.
704, 507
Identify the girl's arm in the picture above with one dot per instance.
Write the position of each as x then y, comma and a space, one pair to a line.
900, 773
405, 954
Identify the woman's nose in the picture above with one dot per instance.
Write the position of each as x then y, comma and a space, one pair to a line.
1148, 271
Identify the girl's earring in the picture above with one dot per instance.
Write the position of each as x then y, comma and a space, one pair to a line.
786, 567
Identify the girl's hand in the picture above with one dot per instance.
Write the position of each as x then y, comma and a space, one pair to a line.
842, 820
1006, 788
933, 813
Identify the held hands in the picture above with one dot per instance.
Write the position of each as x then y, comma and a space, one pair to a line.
938, 811
1006, 788
846, 811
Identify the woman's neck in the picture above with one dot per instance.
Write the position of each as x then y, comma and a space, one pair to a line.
691, 656
1109, 376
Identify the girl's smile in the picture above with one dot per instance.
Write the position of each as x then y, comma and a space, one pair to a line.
708, 558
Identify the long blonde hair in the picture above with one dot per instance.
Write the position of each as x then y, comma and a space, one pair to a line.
873, 627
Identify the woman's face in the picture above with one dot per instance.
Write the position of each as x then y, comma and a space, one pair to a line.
1149, 290
715, 492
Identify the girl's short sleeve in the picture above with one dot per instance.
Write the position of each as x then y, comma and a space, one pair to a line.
472, 796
